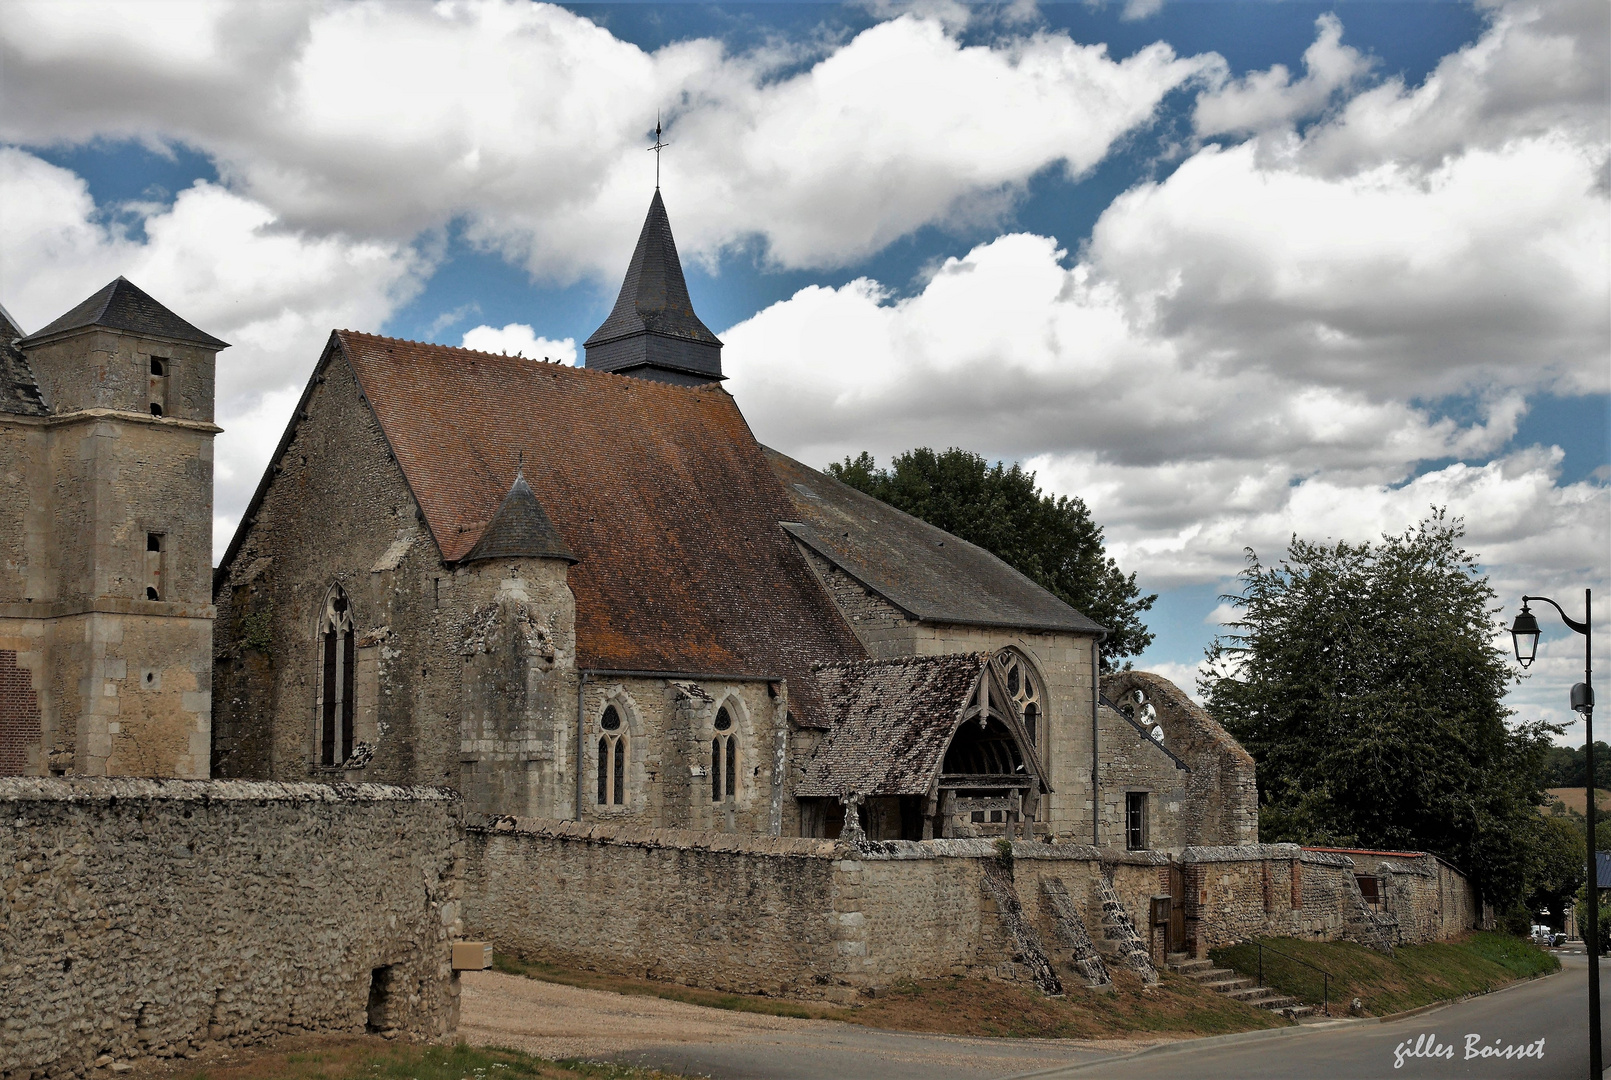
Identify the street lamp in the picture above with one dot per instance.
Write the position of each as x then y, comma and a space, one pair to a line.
1524, 635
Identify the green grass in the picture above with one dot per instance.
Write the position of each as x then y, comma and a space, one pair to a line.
1413, 976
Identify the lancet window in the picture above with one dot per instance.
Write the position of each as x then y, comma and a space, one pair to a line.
612, 759
723, 758
336, 684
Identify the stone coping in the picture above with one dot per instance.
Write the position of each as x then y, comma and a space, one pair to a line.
93, 789
1261, 852
750, 844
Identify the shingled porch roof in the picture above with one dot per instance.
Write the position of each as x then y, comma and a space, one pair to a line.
892, 722
660, 492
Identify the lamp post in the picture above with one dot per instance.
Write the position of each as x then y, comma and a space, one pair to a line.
1524, 635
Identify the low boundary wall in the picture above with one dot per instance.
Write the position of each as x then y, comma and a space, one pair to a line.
152, 916
777, 915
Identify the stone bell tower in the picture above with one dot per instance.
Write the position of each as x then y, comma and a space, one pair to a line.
106, 610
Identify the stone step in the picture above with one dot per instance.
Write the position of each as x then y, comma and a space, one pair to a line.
1225, 986
1272, 1000
1249, 993
1211, 974
1188, 967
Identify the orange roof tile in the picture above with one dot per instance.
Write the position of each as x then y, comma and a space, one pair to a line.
661, 491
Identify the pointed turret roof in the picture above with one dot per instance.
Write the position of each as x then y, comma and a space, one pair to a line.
122, 305
520, 529
653, 324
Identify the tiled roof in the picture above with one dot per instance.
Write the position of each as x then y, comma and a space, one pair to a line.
926, 572
19, 390
661, 492
520, 529
122, 305
654, 296
892, 721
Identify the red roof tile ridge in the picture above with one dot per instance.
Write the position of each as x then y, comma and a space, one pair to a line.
586, 372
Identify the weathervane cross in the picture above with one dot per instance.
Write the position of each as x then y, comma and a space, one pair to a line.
657, 147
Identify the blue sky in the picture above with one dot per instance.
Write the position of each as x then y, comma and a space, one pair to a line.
1228, 271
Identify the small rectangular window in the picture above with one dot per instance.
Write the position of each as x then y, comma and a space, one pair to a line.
1135, 820
153, 566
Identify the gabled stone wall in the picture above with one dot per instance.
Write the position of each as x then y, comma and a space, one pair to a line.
142, 917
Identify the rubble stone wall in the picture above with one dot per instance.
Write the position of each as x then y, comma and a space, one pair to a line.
149, 917
1430, 899
776, 915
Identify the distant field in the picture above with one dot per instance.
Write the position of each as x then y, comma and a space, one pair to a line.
1575, 799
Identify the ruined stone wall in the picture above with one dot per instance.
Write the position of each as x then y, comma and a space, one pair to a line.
775, 915
1220, 803
1427, 898
143, 917
1129, 761
1274, 890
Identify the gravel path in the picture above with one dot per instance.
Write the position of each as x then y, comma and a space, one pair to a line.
564, 1021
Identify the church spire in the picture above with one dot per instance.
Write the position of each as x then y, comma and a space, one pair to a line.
653, 332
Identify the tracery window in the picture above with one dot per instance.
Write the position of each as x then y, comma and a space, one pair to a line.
612, 763
1024, 686
337, 654
723, 758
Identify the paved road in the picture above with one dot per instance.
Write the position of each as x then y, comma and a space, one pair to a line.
1553, 1009
563, 1021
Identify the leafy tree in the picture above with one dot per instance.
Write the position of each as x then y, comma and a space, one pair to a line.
1559, 866
1051, 541
1365, 681
1567, 766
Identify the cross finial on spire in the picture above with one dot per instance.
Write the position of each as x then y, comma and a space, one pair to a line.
657, 147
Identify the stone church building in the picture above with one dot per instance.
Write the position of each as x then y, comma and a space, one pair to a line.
580, 593
590, 593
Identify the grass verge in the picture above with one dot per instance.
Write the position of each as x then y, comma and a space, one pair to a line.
967, 1006
1413, 976
353, 1058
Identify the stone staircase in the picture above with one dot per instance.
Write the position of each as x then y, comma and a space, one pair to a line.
1235, 985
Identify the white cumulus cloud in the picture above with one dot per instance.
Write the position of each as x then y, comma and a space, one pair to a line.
520, 340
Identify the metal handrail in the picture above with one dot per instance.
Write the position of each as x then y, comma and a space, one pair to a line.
1325, 976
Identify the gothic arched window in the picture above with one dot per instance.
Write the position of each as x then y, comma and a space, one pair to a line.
723, 758
1024, 686
337, 654
612, 763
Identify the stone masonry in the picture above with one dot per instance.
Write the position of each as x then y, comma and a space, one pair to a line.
142, 917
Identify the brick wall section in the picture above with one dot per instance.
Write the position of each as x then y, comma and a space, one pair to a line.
142, 917
19, 715
776, 915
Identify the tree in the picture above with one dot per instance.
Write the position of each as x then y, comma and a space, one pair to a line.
1051, 541
1559, 866
1365, 681
1567, 766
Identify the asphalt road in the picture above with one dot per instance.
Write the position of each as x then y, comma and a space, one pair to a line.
1553, 1009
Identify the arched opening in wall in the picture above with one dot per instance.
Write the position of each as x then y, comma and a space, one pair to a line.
985, 783
612, 759
337, 655
723, 758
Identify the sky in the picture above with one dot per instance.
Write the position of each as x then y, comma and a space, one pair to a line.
1228, 271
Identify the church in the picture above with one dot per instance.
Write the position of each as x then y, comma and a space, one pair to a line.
574, 593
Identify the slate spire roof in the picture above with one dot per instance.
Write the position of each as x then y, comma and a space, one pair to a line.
653, 324
122, 305
520, 529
